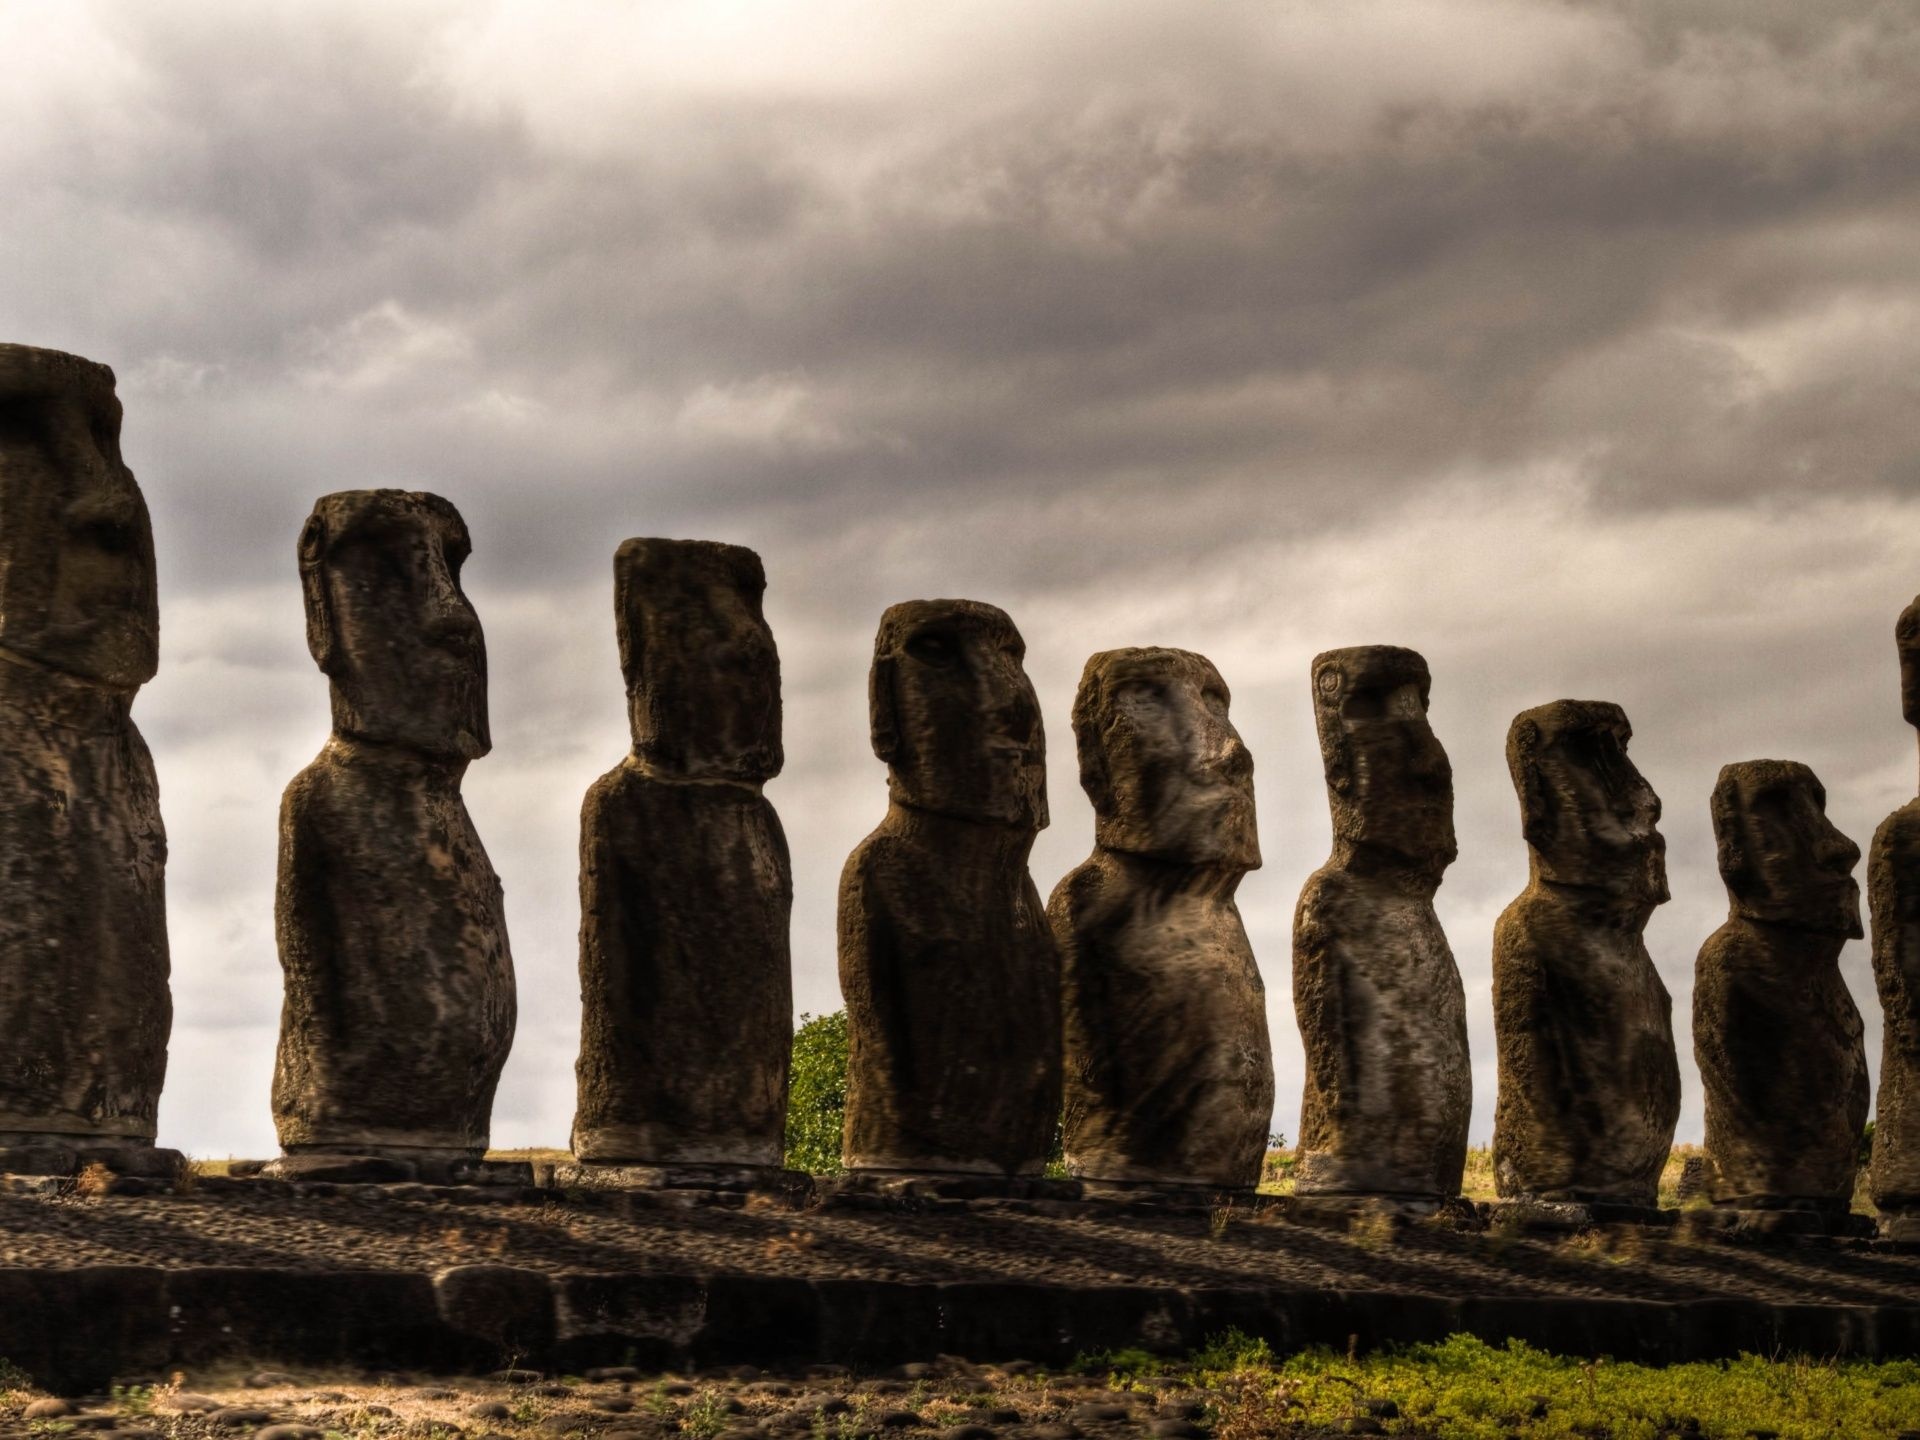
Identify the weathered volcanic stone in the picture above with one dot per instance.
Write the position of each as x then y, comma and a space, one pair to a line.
1168, 1068
950, 972
399, 985
84, 1005
685, 886
1381, 1009
1589, 1081
1775, 1033
1893, 895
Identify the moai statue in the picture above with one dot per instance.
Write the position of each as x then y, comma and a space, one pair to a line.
399, 986
685, 887
1589, 1081
1381, 1008
84, 1005
1893, 894
949, 969
1168, 1069
1775, 1033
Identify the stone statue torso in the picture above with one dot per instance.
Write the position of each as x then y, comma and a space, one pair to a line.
400, 1000
1169, 1069
83, 933
686, 891
1382, 1011
952, 982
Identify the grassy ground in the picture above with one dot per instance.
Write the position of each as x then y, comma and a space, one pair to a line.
1233, 1389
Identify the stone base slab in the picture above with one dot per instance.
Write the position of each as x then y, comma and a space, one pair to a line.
1900, 1227
69, 1156
794, 1185
390, 1170
1553, 1216
899, 1186
1348, 1212
1728, 1223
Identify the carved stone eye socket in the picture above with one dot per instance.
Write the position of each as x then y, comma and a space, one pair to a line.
931, 648
1329, 682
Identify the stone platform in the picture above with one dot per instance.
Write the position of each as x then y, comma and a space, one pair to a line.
97, 1288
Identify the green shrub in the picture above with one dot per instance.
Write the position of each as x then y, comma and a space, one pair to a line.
817, 1094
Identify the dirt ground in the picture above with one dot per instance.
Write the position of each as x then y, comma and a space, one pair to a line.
947, 1397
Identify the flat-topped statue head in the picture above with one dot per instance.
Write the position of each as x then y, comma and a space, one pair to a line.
1166, 771
1388, 780
954, 715
77, 589
1906, 635
389, 625
703, 676
1589, 816
1783, 861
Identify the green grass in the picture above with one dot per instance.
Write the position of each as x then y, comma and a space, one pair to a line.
1464, 1389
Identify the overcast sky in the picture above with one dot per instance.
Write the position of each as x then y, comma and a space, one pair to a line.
1576, 346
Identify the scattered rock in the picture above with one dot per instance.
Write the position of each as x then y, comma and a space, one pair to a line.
517, 1377
897, 1420
1383, 1409
49, 1409
239, 1417
1096, 1413
436, 1392
1054, 1432
188, 1403
768, 1387
269, 1380
613, 1404
489, 1410
553, 1390
969, 1432
287, 1432
1175, 1427
613, 1372
918, 1370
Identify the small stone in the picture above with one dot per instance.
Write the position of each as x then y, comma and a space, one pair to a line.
675, 1387
517, 1377
553, 1390
563, 1423
1383, 1409
238, 1417
918, 1370
489, 1410
1174, 1427
287, 1432
1095, 1413
382, 1410
1054, 1432
613, 1372
897, 1420
94, 1422
768, 1387
436, 1392
613, 1404
269, 1380
50, 1409
1003, 1417
188, 1403
1183, 1409
834, 1406
969, 1432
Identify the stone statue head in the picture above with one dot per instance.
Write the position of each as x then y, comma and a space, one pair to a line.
954, 715
1166, 771
1589, 817
77, 589
703, 676
1783, 861
1388, 780
389, 625
1906, 635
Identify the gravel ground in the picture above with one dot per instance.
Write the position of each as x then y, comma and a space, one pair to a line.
410, 1228
949, 1398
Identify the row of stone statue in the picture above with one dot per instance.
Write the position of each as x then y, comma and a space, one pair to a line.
1131, 1002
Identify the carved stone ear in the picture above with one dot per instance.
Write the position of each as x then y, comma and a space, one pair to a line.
1094, 776
1729, 854
313, 591
625, 631
1536, 821
880, 709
